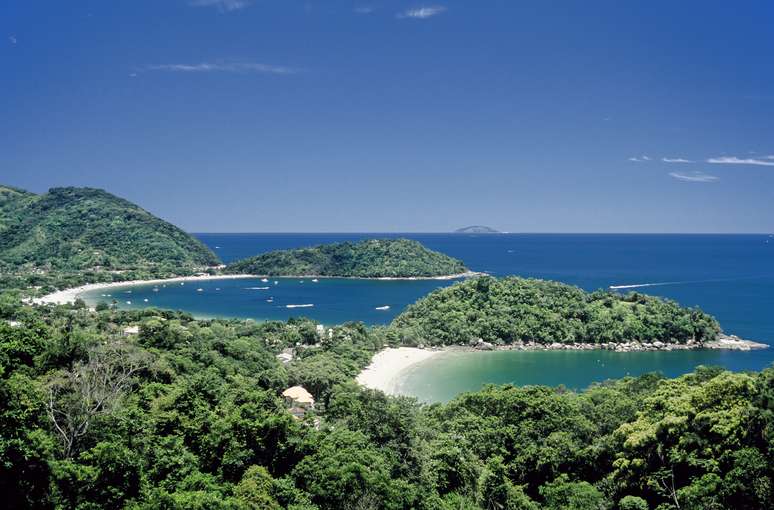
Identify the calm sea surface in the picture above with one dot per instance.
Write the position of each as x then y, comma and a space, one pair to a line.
729, 276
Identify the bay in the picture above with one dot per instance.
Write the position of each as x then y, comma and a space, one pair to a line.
729, 276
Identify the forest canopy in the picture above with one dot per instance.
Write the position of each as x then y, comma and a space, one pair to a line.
187, 414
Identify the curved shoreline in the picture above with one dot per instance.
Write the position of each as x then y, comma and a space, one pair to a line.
387, 365
65, 296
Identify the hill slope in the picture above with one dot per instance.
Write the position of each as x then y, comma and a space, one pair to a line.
514, 309
81, 228
371, 258
12, 203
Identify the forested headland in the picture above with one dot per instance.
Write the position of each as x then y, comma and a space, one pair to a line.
371, 258
511, 310
71, 236
79, 229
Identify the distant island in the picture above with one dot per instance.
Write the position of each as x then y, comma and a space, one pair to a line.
477, 229
519, 311
372, 258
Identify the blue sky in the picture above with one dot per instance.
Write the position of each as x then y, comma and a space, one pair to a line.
260, 115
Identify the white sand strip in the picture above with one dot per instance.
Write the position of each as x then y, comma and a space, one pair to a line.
386, 366
69, 295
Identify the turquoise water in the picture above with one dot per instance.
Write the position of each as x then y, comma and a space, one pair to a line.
440, 378
729, 276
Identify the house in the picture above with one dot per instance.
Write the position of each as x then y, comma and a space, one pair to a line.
286, 356
298, 400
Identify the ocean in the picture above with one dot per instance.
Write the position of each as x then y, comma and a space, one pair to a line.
729, 276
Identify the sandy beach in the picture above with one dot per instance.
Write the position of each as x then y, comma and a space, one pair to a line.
69, 295
387, 364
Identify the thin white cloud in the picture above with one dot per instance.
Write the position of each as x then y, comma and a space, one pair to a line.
13, 39
364, 9
676, 160
733, 160
222, 5
694, 177
639, 159
423, 12
231, 67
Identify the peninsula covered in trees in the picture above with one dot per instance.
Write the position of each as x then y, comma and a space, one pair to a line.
372, 258
511, 310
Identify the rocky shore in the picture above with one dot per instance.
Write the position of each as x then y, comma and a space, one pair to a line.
729, 342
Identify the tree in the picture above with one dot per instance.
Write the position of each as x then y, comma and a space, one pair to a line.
562, 494
78, 395
632, 503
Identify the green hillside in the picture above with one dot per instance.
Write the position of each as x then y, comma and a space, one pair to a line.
371, 258
510, 310
85, 228
12, 202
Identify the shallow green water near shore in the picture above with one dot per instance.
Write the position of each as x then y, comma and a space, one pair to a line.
442, 377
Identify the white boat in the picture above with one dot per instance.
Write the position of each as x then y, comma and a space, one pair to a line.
199, 290
128, 302
385, 307
264, 280
156, 289
146, 300
275, 282
257, 288
315, 280
299, 306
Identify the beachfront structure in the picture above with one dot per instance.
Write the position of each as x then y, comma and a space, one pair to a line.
298, 400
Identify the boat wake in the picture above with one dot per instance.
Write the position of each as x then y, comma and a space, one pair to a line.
686, 282
299, 306
638, 285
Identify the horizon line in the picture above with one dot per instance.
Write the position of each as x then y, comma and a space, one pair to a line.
492, 233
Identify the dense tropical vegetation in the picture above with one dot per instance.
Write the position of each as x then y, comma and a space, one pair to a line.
76, 229
509, 310
365, 259
187, 414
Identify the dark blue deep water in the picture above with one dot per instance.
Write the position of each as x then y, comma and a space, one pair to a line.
729, 276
